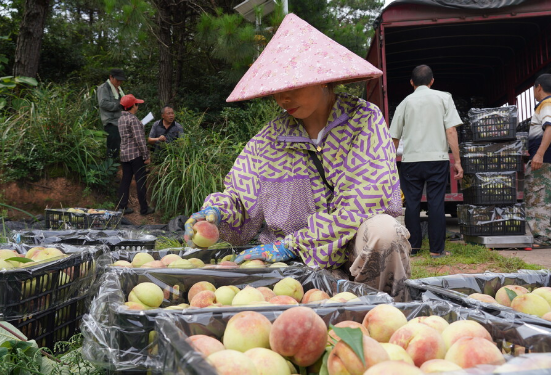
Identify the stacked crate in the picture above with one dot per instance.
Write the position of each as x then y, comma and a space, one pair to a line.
491, 158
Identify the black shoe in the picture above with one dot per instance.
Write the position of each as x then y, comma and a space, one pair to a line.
126, 210
149, 211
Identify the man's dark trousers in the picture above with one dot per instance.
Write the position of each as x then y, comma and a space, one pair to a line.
113, 141
135, 167
413, 177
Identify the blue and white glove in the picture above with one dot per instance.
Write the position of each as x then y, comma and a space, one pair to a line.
210, 214
273, 252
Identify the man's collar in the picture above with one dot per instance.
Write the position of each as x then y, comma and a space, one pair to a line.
544, 99
422, 87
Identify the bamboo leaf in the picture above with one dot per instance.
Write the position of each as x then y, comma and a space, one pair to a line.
511, 294
20, 259
353, 337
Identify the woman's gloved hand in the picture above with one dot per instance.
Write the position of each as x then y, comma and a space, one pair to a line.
210, 214
273, 252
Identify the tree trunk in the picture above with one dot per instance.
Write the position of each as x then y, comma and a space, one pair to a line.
29, 41
165, 54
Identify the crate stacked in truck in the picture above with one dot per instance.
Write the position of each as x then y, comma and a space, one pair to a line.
490, 164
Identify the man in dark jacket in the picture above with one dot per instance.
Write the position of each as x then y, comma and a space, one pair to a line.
109, 95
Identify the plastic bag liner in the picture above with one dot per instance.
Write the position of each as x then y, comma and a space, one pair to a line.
479, 215
208, 256
36, 287
116, 337
114, 239
175, 356
458, 287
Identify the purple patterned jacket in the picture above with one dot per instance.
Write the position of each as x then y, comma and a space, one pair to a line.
274, 180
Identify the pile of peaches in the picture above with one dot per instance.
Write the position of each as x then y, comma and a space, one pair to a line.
10, 259
384, 343
517, 297
287, 291
146, 260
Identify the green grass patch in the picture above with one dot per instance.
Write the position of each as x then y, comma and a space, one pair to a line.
462, 256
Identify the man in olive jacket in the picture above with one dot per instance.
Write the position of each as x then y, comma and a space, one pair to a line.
109, 95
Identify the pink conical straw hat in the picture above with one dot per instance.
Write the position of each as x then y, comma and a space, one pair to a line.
298, 56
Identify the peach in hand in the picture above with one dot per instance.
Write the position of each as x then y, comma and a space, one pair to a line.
205, 234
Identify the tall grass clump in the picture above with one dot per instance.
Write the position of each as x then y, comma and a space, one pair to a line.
53, 131
195, 165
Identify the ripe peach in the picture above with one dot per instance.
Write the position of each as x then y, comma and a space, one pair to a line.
504, 298
547, 316
247, 330
196, 262
246, 296
6, 253
205, 298
181, 263
438, 366
232, 362
199, 287
342, 297
420, 341
122, 263
464, 328
169, 258
141, 258
148, 294
205, 234
333, 338
343, 360
531, 304
266, 292
300, 335
289, 287
434, 321
6, 265
153, 264
283, 300
205, 345
225, 295
393, 368
268, 362
472, 351
382, 321
544, 292
255, 263
314, 295
484, 298
135, 306
397, 353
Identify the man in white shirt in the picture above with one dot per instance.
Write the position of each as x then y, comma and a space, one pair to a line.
425, 121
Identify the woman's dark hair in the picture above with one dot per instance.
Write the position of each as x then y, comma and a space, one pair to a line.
421, 75
544, 81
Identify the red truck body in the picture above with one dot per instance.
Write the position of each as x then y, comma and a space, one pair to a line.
492, 54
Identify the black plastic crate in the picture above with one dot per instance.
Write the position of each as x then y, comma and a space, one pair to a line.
30, 290
62, 218
491, 220
126, 333
54, 324
489, 188
492, 124
492, 157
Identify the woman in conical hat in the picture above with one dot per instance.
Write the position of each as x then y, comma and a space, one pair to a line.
321, 175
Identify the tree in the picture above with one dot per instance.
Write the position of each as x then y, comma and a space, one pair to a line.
29, 41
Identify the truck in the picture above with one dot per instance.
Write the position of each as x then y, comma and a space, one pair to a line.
486, 53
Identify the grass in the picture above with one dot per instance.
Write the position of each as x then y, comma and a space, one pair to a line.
465, 258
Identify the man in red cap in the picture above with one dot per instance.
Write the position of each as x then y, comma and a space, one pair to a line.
134, 155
